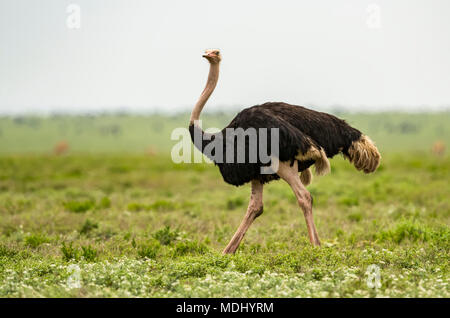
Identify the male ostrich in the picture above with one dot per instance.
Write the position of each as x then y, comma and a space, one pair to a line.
306, 138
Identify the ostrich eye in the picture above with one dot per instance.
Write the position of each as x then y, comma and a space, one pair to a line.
217, 52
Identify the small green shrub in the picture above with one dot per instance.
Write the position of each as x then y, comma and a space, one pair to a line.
106, 233
149, 249
191, 268
233, 203
162, 205
136, 207
348, 201
317, 274
356, 216
119, 169
35, 240
6, 251
242, 264
406, 230
165, 235
79, 206
70, 252
89, 253
104, 203
159, 205
88, 226
189, 247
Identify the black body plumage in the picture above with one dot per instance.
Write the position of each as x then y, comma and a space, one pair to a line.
299, 129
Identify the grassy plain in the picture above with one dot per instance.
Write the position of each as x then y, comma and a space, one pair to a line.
125, 221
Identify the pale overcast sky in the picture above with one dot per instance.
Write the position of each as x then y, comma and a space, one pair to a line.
147, 54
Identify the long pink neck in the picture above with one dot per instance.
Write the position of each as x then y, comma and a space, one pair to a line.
211, 83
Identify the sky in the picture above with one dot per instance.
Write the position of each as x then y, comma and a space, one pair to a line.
146, 55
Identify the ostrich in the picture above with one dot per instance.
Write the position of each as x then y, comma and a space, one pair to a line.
306, 138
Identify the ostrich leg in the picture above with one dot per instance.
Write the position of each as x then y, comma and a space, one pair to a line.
304, 198
255, 209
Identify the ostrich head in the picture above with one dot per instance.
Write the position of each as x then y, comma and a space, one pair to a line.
213, 56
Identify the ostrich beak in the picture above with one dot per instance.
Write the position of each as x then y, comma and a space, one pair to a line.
208, 53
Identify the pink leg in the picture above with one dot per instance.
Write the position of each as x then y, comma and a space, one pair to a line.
255, 209
304, 198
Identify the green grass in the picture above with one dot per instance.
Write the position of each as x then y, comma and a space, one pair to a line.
142, 226
116, 210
